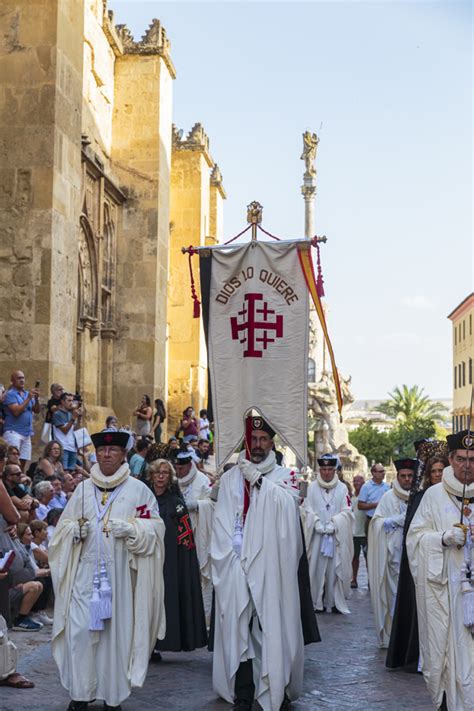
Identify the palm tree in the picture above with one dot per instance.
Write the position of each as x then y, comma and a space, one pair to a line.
408, 404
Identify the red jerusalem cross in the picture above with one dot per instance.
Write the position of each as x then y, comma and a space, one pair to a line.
246, 332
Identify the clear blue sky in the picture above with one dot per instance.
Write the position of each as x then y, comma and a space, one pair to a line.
388, 88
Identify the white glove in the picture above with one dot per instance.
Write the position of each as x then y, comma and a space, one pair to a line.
389, 524
192, 505
121, 529
80, 531
329, 529
454, 537
399, 520
250, 471
319, 528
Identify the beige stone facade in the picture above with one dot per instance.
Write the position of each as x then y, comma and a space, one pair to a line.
462, 319
86, 189
197, 197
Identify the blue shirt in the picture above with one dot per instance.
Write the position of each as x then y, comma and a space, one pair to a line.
371, 493
22, 424
136, 464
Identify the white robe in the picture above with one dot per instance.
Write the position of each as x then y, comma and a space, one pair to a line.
201, 521
383, 562
105, 665
330, 576
446, 645
263, 583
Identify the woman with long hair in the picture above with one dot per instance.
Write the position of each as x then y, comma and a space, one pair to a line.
50, 462
158, 418
185, 618
143, 413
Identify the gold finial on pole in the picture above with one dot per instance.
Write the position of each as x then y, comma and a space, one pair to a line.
254, 217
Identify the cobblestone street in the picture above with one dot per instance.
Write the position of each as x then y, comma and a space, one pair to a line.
346, 670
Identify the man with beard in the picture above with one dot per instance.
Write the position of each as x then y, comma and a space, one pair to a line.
385, 547
441, 560
256, 549
106, 559
328, 526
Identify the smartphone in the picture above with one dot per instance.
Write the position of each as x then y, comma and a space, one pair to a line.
38, 383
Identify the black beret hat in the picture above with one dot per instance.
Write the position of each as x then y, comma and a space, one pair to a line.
110, 439
406, 464
460, 440
258, 423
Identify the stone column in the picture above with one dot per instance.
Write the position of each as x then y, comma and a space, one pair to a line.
41, 65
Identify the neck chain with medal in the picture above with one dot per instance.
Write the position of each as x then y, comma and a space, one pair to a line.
462, 504
329, 495
104, 507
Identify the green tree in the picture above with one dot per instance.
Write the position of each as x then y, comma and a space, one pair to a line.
407, 405
375, 445
404, 434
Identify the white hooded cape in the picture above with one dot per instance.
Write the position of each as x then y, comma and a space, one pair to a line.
263, 582
383, 562
330, 577
446, 645
105, 665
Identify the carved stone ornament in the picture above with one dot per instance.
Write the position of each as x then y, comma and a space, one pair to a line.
216, 175
254, 213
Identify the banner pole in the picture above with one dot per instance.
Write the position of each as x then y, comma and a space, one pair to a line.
254, 217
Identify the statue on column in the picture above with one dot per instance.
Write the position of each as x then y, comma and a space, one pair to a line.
310, 146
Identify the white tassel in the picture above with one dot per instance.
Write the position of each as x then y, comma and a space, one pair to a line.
467, 592
105, 594
96, 624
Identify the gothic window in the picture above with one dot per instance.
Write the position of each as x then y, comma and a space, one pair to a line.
107, 269
311, 370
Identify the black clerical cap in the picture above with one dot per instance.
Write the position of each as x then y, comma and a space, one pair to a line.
184, 457
328, 460
460, 440
258, 423
406, 464
110, 439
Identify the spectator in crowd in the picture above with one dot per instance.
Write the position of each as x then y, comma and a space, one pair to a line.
41, 575
144, 414
44, 492
39, 543
52, 520
50, 463
53, 402
111, 423
13, 455
371, 493
191, 442
20, 497
59, 499
359, 537
189, 423
64, 421
68, 485
173, 444
137, 461
20, 404
24, 593
2, 408
158, 418
9, 517
204, 425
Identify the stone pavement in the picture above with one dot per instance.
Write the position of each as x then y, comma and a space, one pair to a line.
345, 671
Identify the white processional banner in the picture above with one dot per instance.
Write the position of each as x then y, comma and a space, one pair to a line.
258, 334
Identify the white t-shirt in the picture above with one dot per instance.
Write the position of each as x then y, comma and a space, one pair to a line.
204, 431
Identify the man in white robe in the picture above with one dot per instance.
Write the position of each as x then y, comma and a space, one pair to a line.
256, 548
439, 553
196, 490
106, 558
384, 551
329, 522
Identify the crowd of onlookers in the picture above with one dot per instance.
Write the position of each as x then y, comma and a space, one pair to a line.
34, 492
